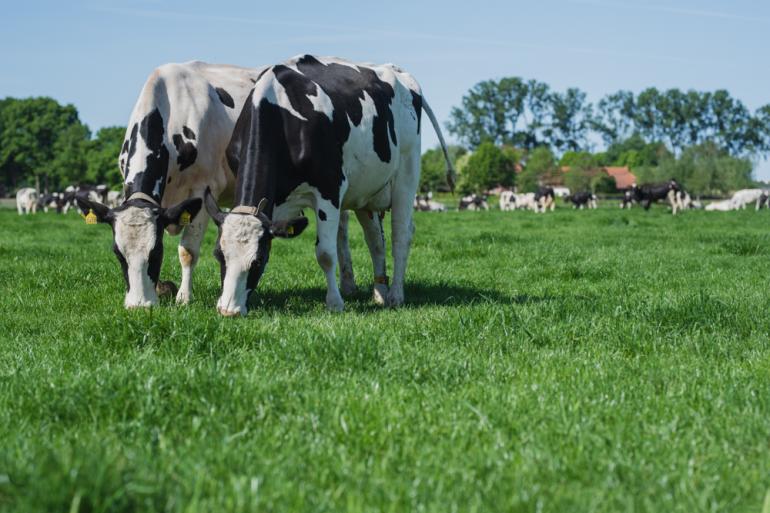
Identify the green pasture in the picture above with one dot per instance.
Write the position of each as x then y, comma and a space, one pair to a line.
577, 361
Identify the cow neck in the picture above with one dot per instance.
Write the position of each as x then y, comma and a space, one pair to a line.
253, 187
144, 189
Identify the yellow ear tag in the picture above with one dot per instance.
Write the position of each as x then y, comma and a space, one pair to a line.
184, 219
290, 230
91, 217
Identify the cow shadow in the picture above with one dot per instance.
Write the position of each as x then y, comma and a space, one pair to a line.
302, 300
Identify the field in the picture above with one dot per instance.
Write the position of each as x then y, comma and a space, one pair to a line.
578, 361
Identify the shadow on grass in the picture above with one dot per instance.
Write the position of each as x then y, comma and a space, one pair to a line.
303, 300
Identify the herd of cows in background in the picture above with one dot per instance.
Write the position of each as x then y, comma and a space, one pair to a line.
311, 132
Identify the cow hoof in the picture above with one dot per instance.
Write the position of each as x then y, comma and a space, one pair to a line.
228, 313
183, 298
334, 304
348, 288
380, 294
395, 300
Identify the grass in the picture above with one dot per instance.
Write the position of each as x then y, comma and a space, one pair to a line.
577, 361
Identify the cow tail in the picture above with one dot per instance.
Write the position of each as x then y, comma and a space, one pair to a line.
451, 175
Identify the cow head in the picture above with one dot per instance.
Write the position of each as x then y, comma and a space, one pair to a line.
137, 230
243, 248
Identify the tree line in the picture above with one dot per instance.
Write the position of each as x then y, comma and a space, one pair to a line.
45, 144
707, 140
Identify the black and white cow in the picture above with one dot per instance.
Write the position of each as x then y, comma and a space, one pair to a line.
331, 135
173, 151
650, 193
545, 199
473, 202
53, 200
582, 200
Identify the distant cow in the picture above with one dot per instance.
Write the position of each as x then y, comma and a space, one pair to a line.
507, 201
720, 206
627, 201
26, 200
763, 200
544, 199
474, 202
53, 200
743, 197
425, 203
114, 199
650, 193
561, 192
582, 200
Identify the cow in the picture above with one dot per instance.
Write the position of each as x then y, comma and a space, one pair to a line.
582, 200
52, 200
114, 198
763, 200
743, 197
473, 202
425, 203
627, 201
174, 150
507, 200
26, 200
720, 206
544, 199
331, 135
650, 193
561, 192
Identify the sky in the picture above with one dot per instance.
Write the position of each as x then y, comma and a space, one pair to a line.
97, 54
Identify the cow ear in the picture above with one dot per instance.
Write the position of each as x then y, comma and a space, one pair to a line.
288, 229
183, 213
212, 208
93, 211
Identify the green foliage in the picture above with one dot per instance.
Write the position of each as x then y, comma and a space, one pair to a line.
433, 172
103, 153
542, 363
488, 167
582, 172
45, 143
540, 164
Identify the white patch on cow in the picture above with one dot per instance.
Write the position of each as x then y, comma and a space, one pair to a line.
335, 60
321, 102
274, 92
238, 242
135, 239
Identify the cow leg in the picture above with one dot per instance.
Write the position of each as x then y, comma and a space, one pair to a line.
402, 227
347, 279
375, 240
647, 204
328, 223
189, 251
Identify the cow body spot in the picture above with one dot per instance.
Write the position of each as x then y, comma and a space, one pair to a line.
225, 97
321, 215
186, 152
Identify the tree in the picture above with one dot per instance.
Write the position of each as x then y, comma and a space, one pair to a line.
487, 167
540, 164
582, 170
613, 118
103, 151
29, 130
570, 120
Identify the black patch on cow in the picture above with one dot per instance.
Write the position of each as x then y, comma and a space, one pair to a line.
253, 81
417, 104
188, 133
225, 97
156, 164
186, 152
123, 263
321, 215
131, 142
316, 240
169, 180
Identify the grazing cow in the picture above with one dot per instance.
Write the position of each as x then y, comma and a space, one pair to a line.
582, 200
26, 200
743, 197
507, 200
51, 200
720, 206
650, 193
331, 135
627, 201
474, 202
544, 199
425, 203
526, 201
173, 151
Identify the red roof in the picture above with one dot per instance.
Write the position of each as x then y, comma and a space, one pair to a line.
623, 176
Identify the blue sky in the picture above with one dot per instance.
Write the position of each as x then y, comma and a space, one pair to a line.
97, 55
